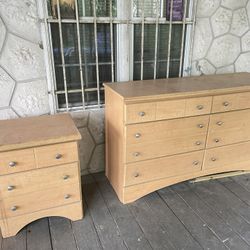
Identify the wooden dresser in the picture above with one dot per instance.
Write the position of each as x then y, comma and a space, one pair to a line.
39, 171
161, 132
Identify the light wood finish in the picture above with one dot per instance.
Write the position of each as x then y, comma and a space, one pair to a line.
56, 154
228, 128
39, 170
16, 161
185, 116
231, 102
142, 112
163, 167
235, 157
32, 181
37, 131
163, 138
12, 225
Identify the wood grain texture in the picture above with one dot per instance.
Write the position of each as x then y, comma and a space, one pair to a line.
46, 155
32, 181
23, 159
37, 131
148, 90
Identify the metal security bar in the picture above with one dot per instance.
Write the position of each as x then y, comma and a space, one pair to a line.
89, 91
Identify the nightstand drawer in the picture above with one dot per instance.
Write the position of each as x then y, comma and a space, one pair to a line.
16, 161
35, 180
163, 168
198, 106
47, 198
230, 102
56, 154
142, 112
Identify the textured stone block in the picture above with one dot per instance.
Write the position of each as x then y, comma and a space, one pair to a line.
203, 38
80, 118
245, 42
97, 162
226, 70
31, 98
96, 125
203, 67
221, 21
234, 4
240, 22
224, 50
243, 63
7, 85
23, 60
205, 8
2, 33
6, 114
21, 18
86, 147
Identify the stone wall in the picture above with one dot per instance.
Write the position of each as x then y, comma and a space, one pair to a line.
222, 37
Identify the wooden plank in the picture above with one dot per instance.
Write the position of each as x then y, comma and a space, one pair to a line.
38, 235
62, 237
129, 228
225, 233
243, 180
222, 208
196, 226
106, 228
17, 242
178, 234
85, 233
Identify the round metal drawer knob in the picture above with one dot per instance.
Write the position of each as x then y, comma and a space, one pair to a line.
200, 126
226, 104
67, 196
216, 140
58, 156
14, 208
196, 163
10, 188
142, 113
12, 164
200, 107
213, 159
137, 135
136, 154
66, 177
136, 175
198, 143
219, 123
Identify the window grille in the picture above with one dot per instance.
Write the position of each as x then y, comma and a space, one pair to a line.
86, 42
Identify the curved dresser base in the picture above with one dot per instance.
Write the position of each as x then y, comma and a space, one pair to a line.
133, 193
13, 225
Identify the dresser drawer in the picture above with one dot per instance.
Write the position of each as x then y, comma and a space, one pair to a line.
231, 157
56, 154
16, 161
163, 168
141, 112
228, 128
35, 180
230, 102
198, 106
162, 138
43, 199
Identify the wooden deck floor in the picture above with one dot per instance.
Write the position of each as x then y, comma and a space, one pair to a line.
209, 215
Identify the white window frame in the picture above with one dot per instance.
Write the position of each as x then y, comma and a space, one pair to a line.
124, 58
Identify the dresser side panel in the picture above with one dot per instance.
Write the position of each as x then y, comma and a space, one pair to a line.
114, 128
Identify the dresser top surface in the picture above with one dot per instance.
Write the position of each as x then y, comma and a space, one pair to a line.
37, 131
178, 87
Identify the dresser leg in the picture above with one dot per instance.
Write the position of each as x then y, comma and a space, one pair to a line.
11, 226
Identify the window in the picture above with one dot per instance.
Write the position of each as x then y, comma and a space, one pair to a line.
96, 41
